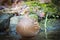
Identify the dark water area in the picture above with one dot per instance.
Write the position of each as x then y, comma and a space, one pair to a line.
41, 36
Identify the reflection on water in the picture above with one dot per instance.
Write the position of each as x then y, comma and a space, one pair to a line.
41, 36
33, 38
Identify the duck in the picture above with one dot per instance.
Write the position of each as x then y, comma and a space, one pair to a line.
27, 27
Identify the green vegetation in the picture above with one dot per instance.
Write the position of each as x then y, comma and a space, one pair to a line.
49, 9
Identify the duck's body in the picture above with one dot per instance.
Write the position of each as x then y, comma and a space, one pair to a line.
27, 27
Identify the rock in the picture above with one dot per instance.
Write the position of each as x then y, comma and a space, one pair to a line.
4, 22
13, 22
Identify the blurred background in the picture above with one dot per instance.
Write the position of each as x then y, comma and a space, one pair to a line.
46, 12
